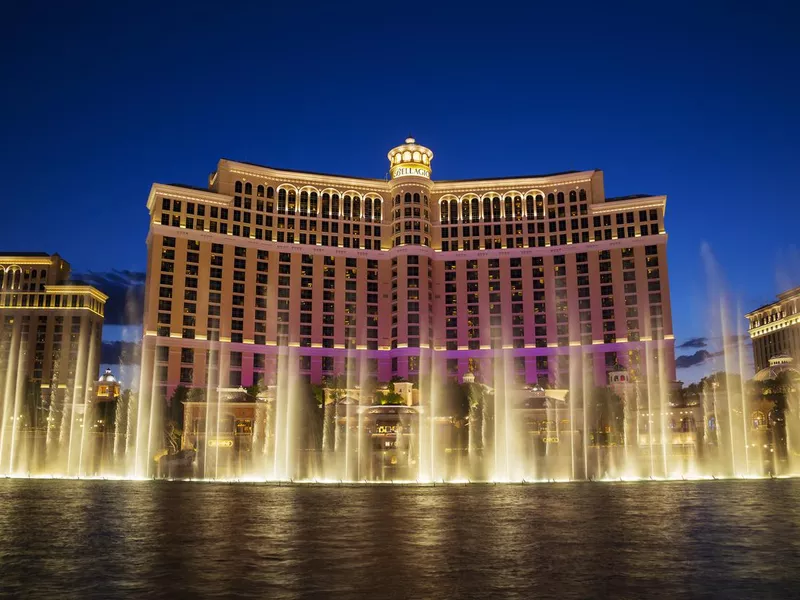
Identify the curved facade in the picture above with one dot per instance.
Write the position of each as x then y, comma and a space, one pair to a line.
402, 277
775, 329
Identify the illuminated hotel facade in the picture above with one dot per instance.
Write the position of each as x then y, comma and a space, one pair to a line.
403, 277
775, 329
51, 328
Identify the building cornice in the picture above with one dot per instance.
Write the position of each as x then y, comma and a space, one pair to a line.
69, 288
511, 183
11, 260
376, 185
182, 193
633, 204
774, 326
783, 299
300, 179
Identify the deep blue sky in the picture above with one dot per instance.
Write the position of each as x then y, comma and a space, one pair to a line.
696, 101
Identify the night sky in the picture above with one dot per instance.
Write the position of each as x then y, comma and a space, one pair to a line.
696, 102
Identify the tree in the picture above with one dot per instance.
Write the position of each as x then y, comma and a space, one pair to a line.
474, 393
609, 410
389, 396
173, 425
319, 394
310, 416
196, 395
336, 386
33, 410
455, 402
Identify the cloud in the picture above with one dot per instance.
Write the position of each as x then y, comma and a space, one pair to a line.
692, 360
698, 342
125, 291
125, 353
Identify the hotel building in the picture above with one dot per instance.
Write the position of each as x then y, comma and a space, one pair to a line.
775, 329
391, 277
51, 328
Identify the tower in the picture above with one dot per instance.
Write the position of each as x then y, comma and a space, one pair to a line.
412, 268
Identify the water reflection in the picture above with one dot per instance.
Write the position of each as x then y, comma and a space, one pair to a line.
101, 539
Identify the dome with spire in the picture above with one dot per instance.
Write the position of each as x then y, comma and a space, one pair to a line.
107, 377
108, 387
410, 160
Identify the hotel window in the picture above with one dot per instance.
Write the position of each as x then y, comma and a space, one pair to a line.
187, 375
162, 353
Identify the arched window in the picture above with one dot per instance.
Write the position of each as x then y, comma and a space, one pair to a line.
346, 207
282, 200
425, 200
573, 197
582, 195
444, 211
453, 211
551, 199
368, 208
303, 203
326, 205
475, 209
517, 207
238, 187
529, 206
487, 209
335, 206
313, 203
540, 205
356, 207
465, 211
416, 198
292, 203
376, 209
248, 189
407, 198
270, 192
496, 209
260, 191
560, 197
507, 206
397, 199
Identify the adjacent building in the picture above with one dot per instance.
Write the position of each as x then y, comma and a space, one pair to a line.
538, 278
50, 329
775, 329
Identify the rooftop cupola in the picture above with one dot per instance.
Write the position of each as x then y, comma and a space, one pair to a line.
410, 160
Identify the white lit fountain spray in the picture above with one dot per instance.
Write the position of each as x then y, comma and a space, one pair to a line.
736, 456
46, 433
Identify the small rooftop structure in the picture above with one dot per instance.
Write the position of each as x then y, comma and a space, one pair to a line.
780, 363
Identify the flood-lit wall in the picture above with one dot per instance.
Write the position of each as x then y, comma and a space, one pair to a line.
50, 328
775, 329
375, 276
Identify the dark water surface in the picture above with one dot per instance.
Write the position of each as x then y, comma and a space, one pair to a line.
106, 539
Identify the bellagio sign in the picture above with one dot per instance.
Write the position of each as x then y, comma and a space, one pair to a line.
411, 172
